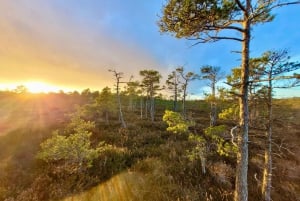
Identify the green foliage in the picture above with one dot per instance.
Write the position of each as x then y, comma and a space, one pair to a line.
186, 78
190, 18
106, 99
215, 131
273, 66
100, 108
210, 98
150, 82
173, 80
234, 79
199, 151
133, 91
173, 84
74, 149
229, 113
158, 160
211, 73
176, 122
204, 20
106, 102
78, 125
132, 88
223, 147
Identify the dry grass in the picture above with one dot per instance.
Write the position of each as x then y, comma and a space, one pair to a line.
122, 187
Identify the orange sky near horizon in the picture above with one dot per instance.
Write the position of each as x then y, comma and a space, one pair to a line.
71, 45
43, 43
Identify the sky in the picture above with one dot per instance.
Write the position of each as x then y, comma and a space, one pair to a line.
71, 44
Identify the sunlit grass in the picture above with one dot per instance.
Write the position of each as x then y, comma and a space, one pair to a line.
122, 187
147, 181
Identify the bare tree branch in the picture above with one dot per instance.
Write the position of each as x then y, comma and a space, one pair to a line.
233, 135
239, 3
214, 39
255, 15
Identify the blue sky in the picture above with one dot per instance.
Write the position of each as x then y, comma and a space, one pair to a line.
72, 43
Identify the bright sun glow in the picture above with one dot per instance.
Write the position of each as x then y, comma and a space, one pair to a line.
40, 87
34, 87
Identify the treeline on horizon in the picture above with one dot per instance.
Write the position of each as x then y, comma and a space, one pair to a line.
183, 149
239, 144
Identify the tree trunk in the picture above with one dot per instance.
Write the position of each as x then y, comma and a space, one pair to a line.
267, 175
203, 160
252, 104
146, 107
241, 188
183, 101
213, 114
213, 105
175, 98
152, 110
152, 103
106, 117
130, 103
120, 108
134, 103
141, 105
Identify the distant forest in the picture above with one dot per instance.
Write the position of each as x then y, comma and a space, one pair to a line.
130, 143
143, 139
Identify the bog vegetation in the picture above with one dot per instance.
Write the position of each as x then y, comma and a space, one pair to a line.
76, 146
133, 142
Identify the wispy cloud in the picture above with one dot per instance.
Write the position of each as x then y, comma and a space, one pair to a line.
43, 40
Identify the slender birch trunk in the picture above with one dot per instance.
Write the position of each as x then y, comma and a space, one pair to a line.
141, 106
183, 100
267, 175
120, 107
213, 105
152, 105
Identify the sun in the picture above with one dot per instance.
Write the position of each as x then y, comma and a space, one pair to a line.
40, 87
